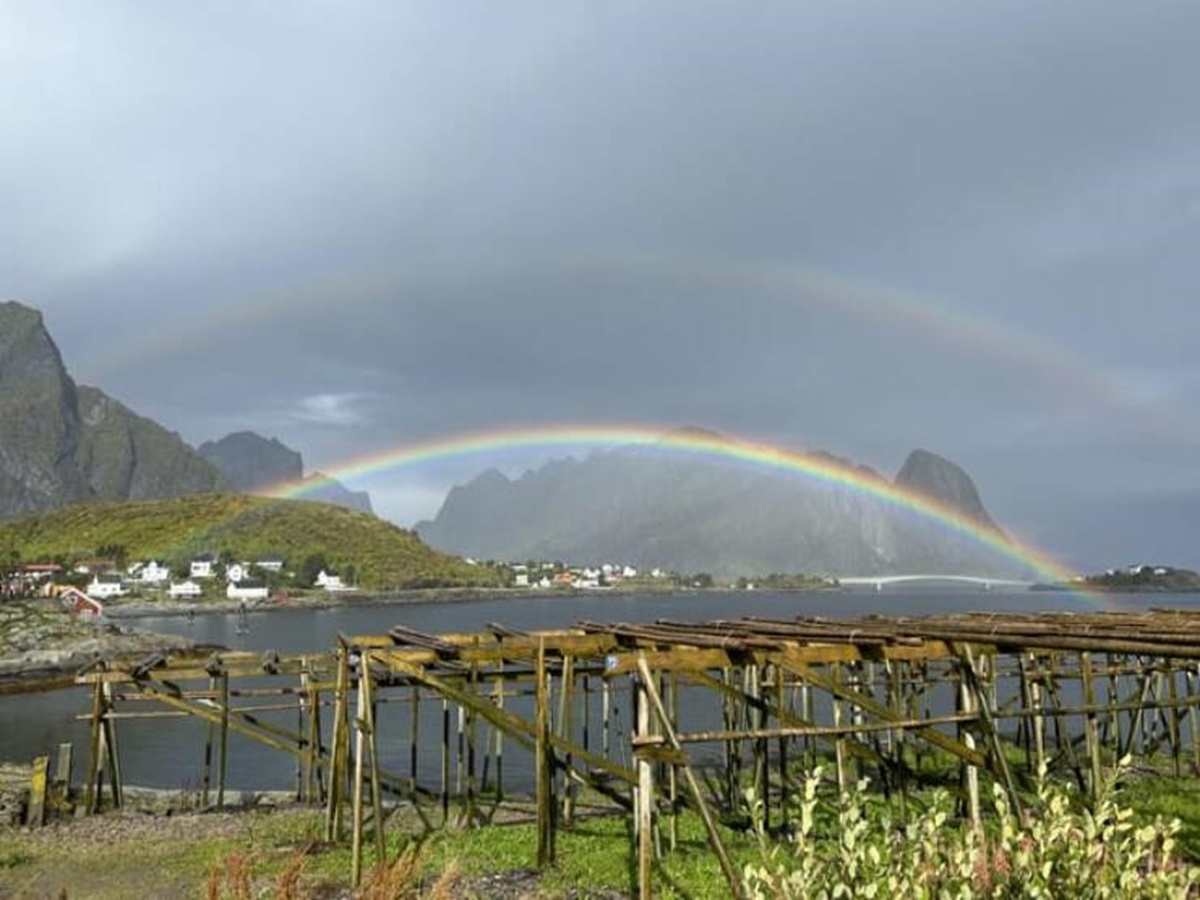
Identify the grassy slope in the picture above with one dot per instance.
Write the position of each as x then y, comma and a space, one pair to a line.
175, 530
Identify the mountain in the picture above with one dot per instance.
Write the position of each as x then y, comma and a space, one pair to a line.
249, 461
61, 443
647, 506
255, 464
173, 531
937, 477
330, 490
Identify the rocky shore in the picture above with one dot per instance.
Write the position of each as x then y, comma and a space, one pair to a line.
41, 646
142, 607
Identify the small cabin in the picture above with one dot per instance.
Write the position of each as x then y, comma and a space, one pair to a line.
79, 604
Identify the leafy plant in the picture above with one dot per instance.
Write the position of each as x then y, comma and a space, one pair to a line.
1062, 850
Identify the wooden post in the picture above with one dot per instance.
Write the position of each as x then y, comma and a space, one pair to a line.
499, 733
543, 770
1193, 709
223, 769
356, 823
62, 771
337, 773
806, 713
445, 762
39, 785
304, 759
1174, 715
460, 753
473, 687
984, 702
732, 749
1096, 774
970, 773
644, 794
1114, 697
210, 734
605, 717
671, 701
646, 683
366, 685
839, 745
414, 733
1039, 721
116, 777
315, 787
566, 710
91, 799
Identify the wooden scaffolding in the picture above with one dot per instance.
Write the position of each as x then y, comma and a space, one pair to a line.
659, 718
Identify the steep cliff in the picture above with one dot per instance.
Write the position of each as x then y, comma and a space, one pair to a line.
62, 444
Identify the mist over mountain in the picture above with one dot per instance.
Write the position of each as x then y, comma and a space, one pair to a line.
649, 507
61, 443
254, 464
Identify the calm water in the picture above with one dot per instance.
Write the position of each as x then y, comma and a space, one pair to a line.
168, 753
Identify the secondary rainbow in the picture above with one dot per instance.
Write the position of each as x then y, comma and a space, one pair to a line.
773, 458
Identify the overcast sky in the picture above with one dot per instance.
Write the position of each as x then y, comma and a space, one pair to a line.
858, 227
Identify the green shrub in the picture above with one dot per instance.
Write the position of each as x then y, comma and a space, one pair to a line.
1062, 850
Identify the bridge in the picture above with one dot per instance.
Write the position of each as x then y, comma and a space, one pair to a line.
983, 581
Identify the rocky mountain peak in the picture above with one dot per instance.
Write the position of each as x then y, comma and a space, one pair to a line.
62, 444
254, 464
939, 478
251, 462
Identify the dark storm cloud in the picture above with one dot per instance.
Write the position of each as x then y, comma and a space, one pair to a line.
355, 226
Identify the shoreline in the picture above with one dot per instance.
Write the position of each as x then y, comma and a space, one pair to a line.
420, 596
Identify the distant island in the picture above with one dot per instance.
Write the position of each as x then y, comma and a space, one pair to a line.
1145, 578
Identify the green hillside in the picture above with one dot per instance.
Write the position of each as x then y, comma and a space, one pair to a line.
238, 526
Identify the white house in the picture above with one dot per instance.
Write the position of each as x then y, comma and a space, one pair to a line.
271, 564
105, 586
521, 579
202, 567
184, 590
330, 582
246, 590
153, 573
235, 573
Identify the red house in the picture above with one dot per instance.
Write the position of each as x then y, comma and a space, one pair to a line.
77, 603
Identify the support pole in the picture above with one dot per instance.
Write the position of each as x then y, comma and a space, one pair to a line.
337, 768
223, 768
970, 772
644, 795
693, 786
543, 770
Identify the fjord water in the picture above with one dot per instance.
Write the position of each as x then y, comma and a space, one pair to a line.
168, 753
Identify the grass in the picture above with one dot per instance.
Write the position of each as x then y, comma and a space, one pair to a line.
283, 854
594, 857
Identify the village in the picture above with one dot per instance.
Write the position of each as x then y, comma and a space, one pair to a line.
84, 587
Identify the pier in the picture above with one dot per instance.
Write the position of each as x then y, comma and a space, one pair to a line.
655, 719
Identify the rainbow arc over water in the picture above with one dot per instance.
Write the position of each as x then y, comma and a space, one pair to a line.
819, 468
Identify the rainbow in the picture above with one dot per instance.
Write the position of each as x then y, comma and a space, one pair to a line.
1073, 374
818, 468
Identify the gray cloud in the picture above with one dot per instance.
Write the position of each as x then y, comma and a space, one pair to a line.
862, 228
